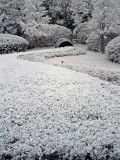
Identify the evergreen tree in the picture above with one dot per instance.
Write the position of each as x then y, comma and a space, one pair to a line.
106, 19
81, 11
59, 12
26, 11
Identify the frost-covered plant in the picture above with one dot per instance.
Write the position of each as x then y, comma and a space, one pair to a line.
113, 50
106, 20
55, 31
81, 11
94, 42
83, 32
14, 12
33, 35
11, 43
25, 18
59, 12
97, 42
44, 35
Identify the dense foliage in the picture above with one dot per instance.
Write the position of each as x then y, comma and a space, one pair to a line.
44, 35
59, 12
11, 43
12, 13
113, 50
88, 19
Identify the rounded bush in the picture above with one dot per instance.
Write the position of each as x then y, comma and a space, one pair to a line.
113, 50
83, 32
54, 33
96, 43
12, 43
45, 35
34, 37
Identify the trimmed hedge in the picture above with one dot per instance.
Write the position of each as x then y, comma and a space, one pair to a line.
95, 41
45, 35
113, 50
83, 32
12, 43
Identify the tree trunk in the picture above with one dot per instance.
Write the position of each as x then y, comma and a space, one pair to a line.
102, 44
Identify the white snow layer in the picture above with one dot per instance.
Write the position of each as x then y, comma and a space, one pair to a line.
11, 43
44, 109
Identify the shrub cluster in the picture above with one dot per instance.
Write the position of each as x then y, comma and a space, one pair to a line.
94, 42
83, 32
113, 50
97, 42
44, 35
12, 43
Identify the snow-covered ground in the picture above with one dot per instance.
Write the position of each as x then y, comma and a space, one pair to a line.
94, 64
80, 60
44, 109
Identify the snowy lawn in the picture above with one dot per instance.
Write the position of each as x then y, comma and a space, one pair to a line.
94, 64
80, 60
46, 109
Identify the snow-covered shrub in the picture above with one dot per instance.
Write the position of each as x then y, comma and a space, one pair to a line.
10, 43
83, 32
94, 42
105, 24
44, 35
59, 12
97, 42
13, 12
113, 50
35, 37
55, 32
81, 11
